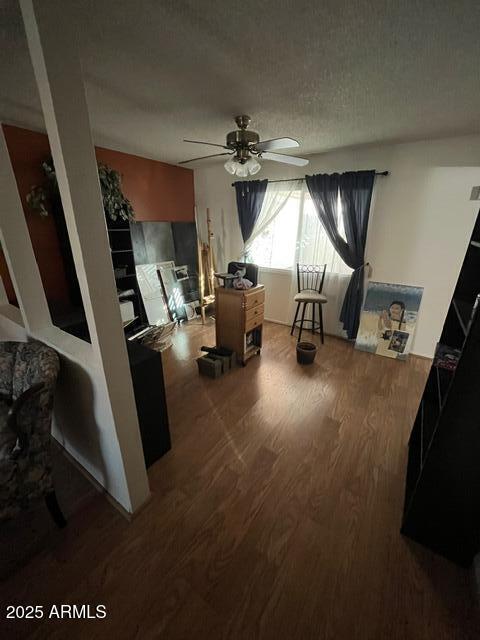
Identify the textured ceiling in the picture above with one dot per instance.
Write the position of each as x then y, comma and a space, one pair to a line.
332, 74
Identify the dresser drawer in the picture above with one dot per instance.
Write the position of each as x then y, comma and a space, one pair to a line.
254, 298
256, 321
254, 312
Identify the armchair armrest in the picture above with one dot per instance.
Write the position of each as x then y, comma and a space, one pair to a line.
13, 413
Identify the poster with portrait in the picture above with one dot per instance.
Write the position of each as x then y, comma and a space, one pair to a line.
388, 319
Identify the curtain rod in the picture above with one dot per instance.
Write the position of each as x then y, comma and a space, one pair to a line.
377, 173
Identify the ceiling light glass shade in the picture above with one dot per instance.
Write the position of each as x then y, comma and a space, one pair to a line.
230, 166
242, 170
253, 166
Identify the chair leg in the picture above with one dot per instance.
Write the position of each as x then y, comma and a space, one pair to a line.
321, 322
294, 321
54, 508
301, 322
313, 318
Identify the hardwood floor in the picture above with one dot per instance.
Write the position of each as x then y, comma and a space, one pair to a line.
275, 515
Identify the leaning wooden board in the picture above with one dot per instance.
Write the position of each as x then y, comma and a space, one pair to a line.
239, 320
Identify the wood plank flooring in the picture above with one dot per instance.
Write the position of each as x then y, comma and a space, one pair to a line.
275, 515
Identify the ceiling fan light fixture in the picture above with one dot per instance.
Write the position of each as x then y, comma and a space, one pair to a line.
231, 166
242, 170
253, 166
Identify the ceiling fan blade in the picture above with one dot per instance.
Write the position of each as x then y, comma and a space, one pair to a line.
204, 157
211, 144
277, 143
281, 157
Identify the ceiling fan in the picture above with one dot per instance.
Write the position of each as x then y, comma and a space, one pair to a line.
244, 148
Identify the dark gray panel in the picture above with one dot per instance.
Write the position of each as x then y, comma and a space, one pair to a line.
185, 241
161, 241
152, 242
138, 243
158, 241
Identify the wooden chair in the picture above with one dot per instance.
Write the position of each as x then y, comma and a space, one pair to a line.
310, 279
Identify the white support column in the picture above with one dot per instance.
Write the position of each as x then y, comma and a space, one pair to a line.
52, 42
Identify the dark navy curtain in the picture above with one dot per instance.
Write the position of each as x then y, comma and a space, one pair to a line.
250, 195
349, 194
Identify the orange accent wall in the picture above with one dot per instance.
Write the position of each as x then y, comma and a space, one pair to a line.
7, 281
28, 149
158, 192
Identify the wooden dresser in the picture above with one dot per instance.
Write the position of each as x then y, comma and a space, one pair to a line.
239, 320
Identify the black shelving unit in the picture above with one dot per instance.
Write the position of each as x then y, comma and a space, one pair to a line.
145, 364
442, 493
120, 240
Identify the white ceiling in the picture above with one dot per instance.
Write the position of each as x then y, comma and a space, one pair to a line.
330, 73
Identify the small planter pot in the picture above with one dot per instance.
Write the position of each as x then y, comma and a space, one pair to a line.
306, 352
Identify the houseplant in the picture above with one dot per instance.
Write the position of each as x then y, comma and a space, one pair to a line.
116, 206
45, 199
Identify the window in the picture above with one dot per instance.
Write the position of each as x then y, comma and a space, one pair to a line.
296, 235
276, 246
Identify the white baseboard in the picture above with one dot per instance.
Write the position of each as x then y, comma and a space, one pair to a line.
287, 324
97, 486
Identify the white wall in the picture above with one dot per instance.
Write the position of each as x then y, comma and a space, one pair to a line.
420, 222
11, 324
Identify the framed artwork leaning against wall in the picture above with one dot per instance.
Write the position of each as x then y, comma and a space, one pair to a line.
388, 319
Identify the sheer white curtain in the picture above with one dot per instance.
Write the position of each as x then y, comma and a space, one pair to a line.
314, 247
276, 196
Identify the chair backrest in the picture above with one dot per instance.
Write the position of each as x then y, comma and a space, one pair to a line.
29, 471
310, 277
22, 365
251, 270
34, 362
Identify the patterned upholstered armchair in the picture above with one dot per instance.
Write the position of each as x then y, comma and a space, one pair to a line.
28, 374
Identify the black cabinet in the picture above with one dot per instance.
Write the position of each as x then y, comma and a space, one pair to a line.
148, 386
442, 494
